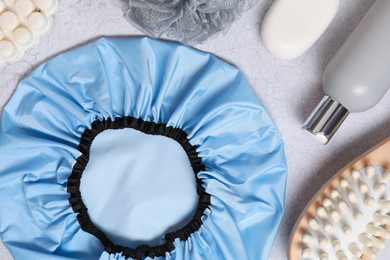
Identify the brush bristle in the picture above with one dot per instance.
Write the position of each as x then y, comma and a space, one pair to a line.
351, 222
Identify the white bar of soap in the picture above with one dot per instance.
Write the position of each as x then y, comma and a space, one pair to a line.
291, 27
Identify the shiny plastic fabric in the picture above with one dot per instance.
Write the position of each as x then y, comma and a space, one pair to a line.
155, 81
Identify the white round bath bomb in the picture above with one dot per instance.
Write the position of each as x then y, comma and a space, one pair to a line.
37, 21
24, 7
9, 21
7, 49
23, 36
45, 5
2, 5
291, 27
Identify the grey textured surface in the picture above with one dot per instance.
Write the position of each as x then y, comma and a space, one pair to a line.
288, 89
191, 22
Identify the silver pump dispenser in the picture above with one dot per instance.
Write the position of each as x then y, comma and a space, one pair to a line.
326, 119
358, 76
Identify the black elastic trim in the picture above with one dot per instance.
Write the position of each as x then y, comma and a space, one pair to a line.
151, 128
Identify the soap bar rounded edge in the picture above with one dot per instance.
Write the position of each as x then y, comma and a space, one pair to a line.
287, 54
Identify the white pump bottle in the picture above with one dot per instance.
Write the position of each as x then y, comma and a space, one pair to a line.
358, 76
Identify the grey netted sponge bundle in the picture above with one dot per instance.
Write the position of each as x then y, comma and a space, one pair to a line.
188, 21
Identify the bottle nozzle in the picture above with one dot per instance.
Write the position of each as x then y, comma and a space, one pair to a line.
326, 119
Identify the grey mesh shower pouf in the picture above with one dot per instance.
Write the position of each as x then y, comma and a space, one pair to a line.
188, 21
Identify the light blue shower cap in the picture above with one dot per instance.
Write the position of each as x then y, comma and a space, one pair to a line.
79, 179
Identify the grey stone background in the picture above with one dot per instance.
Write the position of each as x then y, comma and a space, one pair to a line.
288, 89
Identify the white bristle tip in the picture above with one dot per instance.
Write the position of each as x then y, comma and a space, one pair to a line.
328, 227
386, 176
365, 240
328, 204
335, 195
335, 216
341, 256
307, 238
355, 175
381, 219
371, 229
377, 242
384, 204
383, 233
322, 213
306, 252
323, 241
369, 201
314, 224
354, 249
336, 244
347, 230
345, 185
324, 256
358, 215
352, 197
368, 252
380, 187
370, 171
343, 206
363, 188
